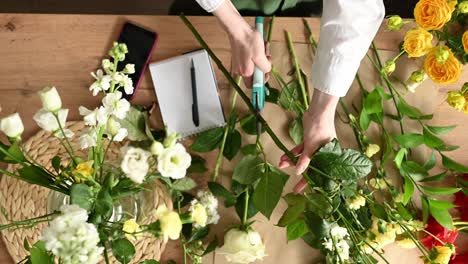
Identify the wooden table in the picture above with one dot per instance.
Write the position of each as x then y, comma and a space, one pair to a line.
61, 50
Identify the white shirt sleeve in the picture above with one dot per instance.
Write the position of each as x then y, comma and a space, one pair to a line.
210, 5
346, 32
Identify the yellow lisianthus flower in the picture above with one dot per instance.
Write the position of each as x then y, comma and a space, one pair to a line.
418, 42
170, 223
442, 73
456, 100
444, 253
433, 14
131, 228
83, 171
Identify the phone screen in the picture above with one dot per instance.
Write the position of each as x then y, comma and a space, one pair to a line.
140, 43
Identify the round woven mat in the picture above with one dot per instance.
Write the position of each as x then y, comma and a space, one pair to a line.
23, 201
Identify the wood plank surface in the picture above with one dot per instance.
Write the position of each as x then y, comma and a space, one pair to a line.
61, 50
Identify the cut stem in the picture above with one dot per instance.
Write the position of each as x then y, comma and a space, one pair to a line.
305, 98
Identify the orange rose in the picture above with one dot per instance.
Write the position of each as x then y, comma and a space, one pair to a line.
465, 41
433, 14
442, 73
418, 42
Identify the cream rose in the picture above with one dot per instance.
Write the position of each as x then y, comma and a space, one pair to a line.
198, 213
242, 246
174, 162
50, 99
170, 223
135, 164
12, 126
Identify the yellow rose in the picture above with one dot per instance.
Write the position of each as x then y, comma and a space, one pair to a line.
83, 171
131, 229
465, 41
433, 14
442, 73
456, 100
170, 223
465, 110
418, 42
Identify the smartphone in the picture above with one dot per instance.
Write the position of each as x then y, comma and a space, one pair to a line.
141, 44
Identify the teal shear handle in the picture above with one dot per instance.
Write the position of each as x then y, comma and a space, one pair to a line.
258, 91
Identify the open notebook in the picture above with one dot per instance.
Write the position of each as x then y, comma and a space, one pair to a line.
172, 82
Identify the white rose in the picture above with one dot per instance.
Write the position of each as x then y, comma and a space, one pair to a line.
157, 148
174, 162
242, 246
12, 125
170, 223
135, 164
115, 105
50, 99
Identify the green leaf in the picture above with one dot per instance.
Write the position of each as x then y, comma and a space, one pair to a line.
135, 123
441, 215
184, 184
197, 165
211, 247
440, 130
81, 195
440, 203
123, 250
199, 234
26, 245
219, 190
440, 190
56, 163
404, 212
248, 170
373, 102
447, 148
39, 254
249, 124
364, 120
409, 140
150, 261
453, 165
425, 208
318, 226
290, 97
413, 169
401, 154
104, 204
297, 229
36, 175
345, 164
297, 205
410, 111
251, 210
383, 94
318, 204
250, 149
431, 140
437, 177
430, 162
233, 144
409, 190
16, 153
273, 95
296, 131
268, 191
208, 140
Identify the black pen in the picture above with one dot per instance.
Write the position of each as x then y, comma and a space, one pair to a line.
195, 117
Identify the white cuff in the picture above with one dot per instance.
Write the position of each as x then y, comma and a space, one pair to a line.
210, 5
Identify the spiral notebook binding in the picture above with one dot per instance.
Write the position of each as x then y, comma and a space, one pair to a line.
197, 131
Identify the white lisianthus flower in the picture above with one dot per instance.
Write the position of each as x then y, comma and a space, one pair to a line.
129, 68
50, 99
242, 246
356, 202
98, 116
115, 130
115, 105
88, 139
12, 126
127, 84
170, 223
71, 238
102, 83
157, 148
135, 164
209, 201
198, 213
174, 162
48, 122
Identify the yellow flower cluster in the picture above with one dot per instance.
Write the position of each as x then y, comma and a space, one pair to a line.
442, 66
433, 14
459, 99
83, 171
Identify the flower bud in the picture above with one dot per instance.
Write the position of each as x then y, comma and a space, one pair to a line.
113, 126
242, 246
157, 148
107, 64
12, 126
389, 67
129, 69
442, 55
171, 140
456, 100
395, 23
50, 99
463, 7
416, 78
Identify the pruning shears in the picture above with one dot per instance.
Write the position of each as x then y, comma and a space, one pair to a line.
259, 91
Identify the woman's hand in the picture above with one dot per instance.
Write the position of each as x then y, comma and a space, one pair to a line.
319, 129
247, 44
